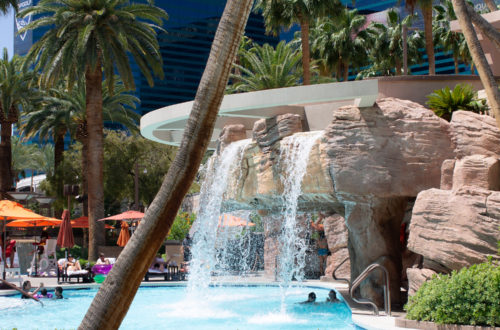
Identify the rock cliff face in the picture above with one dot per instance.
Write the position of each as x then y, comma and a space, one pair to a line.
369, 163
458, 225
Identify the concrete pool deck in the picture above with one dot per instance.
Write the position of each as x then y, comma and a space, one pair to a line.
361, 316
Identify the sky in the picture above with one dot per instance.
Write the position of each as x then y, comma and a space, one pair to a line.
7, 32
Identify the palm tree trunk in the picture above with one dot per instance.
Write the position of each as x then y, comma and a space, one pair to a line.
398, 67
82, 137
491, 5
455, 63
478, 58
486, 28
58, 149
346, 71
112, 302
429, 45
93, 85
306, 55
6, 181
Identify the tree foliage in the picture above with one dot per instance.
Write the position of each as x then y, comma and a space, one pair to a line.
445, 101
180, 228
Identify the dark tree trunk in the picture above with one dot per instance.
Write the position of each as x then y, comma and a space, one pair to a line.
398, 67
6, 172
429, 45
113, 299
478, 58
93, 83
306, 55
346, 71
455, 63
82, 136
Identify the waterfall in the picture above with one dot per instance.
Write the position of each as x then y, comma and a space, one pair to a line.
294, 156
208, 243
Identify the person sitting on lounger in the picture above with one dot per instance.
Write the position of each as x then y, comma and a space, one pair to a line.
101, 260
332, 297
73, 264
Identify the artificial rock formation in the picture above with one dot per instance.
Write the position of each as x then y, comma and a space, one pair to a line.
365, 167
336, 235
458, 225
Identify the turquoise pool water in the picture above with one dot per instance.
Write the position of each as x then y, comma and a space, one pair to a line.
172, 308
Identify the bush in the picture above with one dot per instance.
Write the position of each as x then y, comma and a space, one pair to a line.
470, 296
182, 223
76, 251
445, 101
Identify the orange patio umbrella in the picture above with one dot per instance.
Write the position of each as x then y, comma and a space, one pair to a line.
34, 223
65, 237
228, 220
127, 215
10, 210
124, 235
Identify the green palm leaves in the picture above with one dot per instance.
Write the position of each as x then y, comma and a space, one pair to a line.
95, 33
6, 4
264, 67
445, 101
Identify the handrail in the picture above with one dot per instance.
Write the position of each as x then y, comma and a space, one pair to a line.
341, 279
387, 290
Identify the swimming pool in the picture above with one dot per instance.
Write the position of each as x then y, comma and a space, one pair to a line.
228, 307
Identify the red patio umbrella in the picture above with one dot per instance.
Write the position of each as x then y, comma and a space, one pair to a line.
83, 222
124, 235
65, 238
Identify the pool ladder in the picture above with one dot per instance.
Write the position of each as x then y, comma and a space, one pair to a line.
361, 278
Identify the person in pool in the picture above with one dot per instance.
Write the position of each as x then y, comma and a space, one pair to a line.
27, 289
43, 294
311, 298
332, 297
58, 293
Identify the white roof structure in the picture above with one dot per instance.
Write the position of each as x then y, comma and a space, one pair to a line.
314, 102
26, 182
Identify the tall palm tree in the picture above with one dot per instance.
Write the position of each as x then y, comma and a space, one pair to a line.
16, 93
5, 5
90, 38
483, 68
426, 7
342, 42
23, 157
63, 112
114, 297
443, 35
285, 13
265, 67
386, 52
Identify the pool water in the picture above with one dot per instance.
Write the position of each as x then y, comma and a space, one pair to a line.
241, 307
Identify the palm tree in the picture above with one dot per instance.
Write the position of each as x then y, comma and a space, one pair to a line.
16, 93
88, 38
341, 42
386, 52
285, 13
265, 67
450, 41
23, 157
426, 7
6, 4
483, 68
491, 5
63, 112
114, 297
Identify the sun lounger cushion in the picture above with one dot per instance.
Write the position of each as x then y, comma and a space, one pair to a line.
77, 272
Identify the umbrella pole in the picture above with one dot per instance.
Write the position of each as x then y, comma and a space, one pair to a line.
3, 249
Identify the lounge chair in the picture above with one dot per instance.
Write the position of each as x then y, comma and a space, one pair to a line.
171, 273
65, 275
13, 274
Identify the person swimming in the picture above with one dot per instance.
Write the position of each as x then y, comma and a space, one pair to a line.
311, 298
332, 297
43, 294
58, 293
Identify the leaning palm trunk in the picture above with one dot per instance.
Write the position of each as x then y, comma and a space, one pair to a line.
306, 57
112, 302
478, 57
486, 28
429, 45
93, 85
491, 5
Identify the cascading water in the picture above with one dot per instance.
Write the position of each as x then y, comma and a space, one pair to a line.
294, 156
209, 244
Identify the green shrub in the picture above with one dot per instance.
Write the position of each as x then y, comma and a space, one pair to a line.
76, 251
182, 223
470, 296
445, 101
